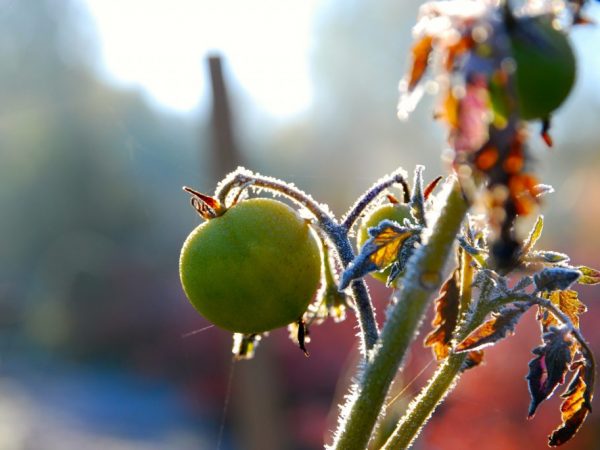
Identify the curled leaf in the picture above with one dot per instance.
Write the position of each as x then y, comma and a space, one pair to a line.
534, 235
446, 317
555, 278
588, 275
380, 251
576, 406
498, 327
431, 186
420, 57
548, 369
546, 257
473, 359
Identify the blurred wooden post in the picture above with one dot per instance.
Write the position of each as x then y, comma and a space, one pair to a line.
225, 153
256, 394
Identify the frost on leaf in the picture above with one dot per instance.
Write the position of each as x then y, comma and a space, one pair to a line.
588, 275
384, 248
546, 257
555, 278
534, 235
548, 369
576, 406
417, 200
498, 327
446, 317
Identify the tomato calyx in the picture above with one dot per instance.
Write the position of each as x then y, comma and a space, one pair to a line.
206, 206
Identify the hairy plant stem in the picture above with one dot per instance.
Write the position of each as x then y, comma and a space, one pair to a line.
336, 232
442, 381
423, 277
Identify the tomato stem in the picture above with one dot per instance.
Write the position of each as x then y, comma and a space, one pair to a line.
397, 177
423, 277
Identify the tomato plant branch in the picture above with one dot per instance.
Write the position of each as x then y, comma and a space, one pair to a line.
446, 377
423, 277
398, 177
566, 321
336, 233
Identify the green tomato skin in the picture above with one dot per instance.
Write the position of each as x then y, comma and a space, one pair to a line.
545, 67
253, 269
395, 212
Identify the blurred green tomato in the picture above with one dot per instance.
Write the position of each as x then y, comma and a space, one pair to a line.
545, 66
253, 269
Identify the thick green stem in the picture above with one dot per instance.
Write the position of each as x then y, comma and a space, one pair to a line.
423, 406
423, 278
441, 383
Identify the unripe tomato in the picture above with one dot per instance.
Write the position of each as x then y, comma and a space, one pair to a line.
545, 66
253, 269
396, 212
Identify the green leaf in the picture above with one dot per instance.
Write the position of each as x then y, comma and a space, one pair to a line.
588, 275
534, 235
546, 257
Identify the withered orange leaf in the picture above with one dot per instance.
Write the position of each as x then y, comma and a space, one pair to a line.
548, 369
588, 275
446, 317
576, 406
389, 243
420, 56
498, 327
568, 302
473, 359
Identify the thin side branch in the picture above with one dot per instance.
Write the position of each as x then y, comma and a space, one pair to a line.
398, 177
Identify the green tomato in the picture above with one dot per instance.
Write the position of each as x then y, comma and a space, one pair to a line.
545, 66
253, 269
395, 212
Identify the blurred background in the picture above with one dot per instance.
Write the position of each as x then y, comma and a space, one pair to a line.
107, 109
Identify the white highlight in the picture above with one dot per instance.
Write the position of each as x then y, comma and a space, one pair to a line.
160, 46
